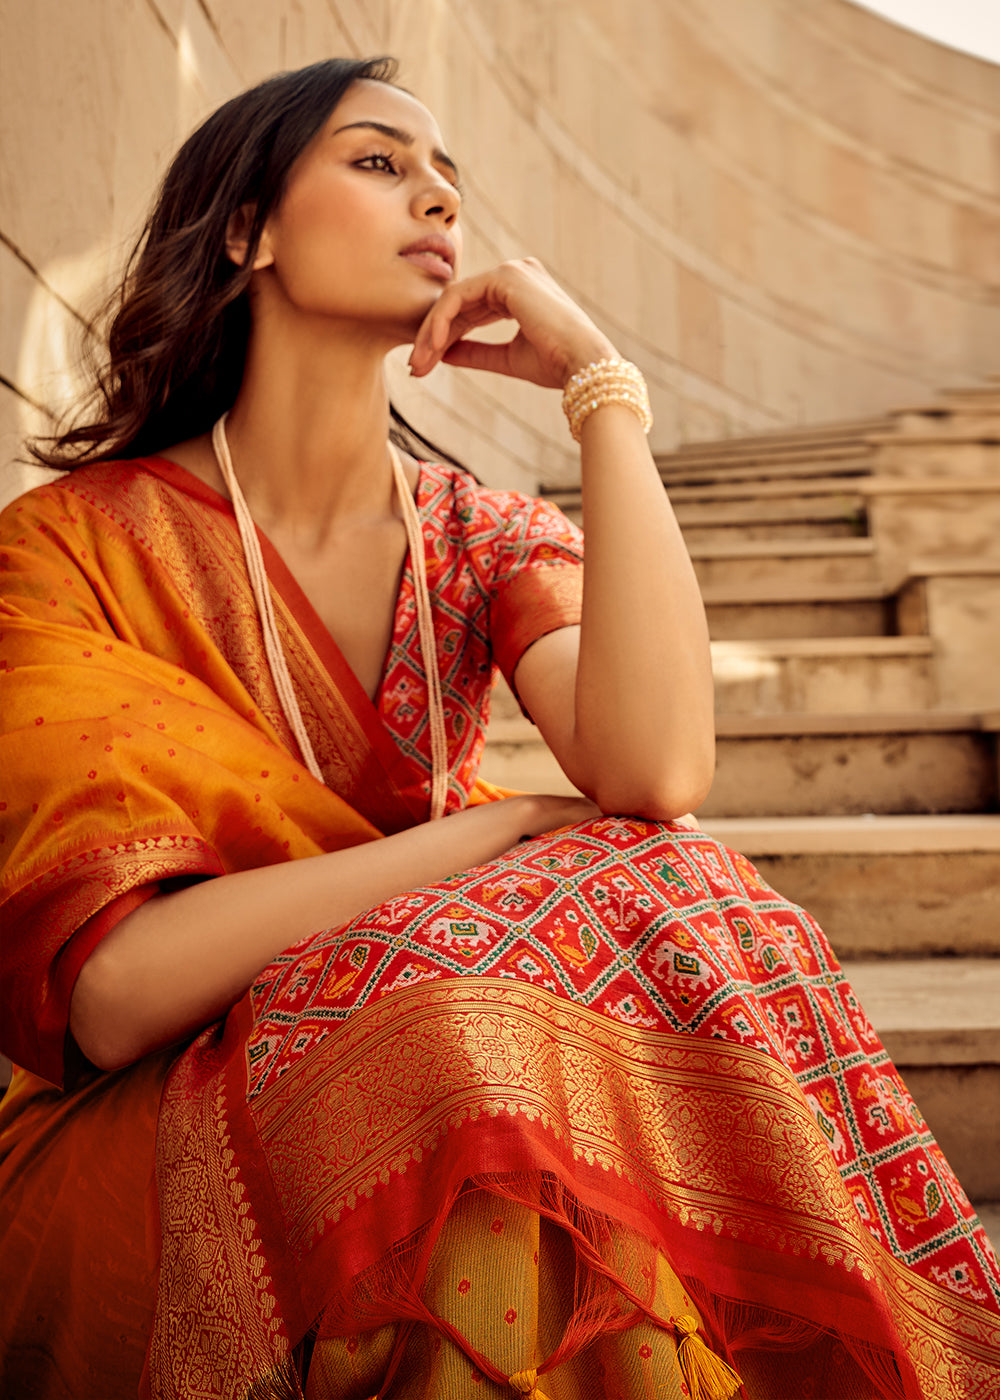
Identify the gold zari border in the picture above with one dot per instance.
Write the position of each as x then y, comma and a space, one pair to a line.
716, 1135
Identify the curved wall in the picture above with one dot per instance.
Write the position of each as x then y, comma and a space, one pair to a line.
784, 210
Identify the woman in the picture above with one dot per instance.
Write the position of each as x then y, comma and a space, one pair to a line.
534, 1095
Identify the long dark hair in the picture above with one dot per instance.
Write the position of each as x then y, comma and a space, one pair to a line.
178, 326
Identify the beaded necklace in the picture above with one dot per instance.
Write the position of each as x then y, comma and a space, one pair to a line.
272, 641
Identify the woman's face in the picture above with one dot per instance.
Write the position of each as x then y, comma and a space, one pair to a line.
367, 230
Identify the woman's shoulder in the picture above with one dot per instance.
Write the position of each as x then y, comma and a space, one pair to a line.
58, 492
95, 479
101, 499
497, 533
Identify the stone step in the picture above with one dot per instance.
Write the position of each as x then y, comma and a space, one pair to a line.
939, 1019
956, 395
806, 764
832, 765
733, 526
845, 463
768, 510
779, 531
811, 437
829, 515
823, 674
883, 886
769, 610
989, 1214
936, 517
814, 675
957, 602
954, 449
819, 493
745, 494
516, 756
792, 563
732, 452
829, 509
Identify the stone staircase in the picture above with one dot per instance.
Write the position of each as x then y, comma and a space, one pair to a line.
851, 575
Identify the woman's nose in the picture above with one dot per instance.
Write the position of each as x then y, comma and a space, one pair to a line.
441, 199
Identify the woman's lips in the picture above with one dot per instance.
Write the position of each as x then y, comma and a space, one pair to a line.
432, 263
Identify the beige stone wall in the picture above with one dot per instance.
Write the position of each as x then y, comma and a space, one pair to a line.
784, 210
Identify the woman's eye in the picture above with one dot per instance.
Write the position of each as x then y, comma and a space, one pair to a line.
379, 161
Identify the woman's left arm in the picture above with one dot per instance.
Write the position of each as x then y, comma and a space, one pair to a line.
625, 701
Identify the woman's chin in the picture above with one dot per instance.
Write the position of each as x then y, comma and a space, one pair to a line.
410, 322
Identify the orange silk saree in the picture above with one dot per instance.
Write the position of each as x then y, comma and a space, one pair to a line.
548, 1126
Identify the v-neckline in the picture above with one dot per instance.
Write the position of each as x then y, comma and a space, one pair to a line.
291, 592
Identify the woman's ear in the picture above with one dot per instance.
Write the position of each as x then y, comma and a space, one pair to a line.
238, 235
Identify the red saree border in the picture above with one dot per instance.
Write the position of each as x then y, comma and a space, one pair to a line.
88, 890
156, 852
783, 1219
931, 1319
52, 1020
223, 1327
300, 611
321, 671
532, 1020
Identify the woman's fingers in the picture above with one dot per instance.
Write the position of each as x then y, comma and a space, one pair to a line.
554, 336
479, 354
460, 308
549, 813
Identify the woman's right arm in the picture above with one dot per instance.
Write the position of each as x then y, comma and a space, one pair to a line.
181, 960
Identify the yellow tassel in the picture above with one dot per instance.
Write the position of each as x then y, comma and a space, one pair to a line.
279, 1384
707, 1375
526, 1383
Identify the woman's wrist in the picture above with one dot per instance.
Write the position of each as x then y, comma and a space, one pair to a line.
608, 382
588, 353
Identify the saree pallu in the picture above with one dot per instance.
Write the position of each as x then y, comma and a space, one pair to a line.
624, 1020
542, 1128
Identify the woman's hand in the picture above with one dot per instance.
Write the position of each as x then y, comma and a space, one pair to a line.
543, 812
554, 338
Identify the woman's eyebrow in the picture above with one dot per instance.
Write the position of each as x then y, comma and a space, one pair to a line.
396, 133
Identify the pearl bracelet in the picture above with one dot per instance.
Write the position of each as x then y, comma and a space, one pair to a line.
605, 382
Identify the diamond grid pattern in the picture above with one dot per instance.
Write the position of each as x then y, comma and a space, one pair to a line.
658, 927
474, 539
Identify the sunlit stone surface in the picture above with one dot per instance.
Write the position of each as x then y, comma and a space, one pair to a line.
784, 213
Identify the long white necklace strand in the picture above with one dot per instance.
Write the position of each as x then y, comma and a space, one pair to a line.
272, 641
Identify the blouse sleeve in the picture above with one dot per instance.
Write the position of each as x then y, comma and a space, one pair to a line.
537, 580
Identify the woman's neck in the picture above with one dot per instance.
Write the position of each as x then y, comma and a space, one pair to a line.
308, 433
